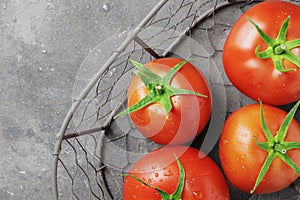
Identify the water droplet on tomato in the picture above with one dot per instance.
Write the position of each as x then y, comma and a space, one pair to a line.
198, 195
283, 85
168, 173
258, 85
226, 142
241, 159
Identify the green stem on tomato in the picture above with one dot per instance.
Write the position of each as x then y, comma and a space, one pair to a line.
159, 88
164, 195
275, 145
278, 48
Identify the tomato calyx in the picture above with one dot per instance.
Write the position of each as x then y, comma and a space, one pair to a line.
278, 48
159, 88
275, 145
164, 195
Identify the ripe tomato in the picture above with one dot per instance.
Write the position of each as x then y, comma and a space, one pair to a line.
203, 178
242, 156
189, 114
257, 77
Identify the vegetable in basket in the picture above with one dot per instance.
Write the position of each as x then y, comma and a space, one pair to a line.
161, 175
169, 100
259, 148
261, 53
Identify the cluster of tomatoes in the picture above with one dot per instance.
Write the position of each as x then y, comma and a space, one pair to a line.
169, 101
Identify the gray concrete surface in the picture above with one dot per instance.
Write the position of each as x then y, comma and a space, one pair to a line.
42, 44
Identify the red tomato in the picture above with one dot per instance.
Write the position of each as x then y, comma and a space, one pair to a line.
256, 77
189, 114
242, 159
203, 178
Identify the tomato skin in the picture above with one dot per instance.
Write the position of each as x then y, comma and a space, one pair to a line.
242, 159
258, 78
189, 114
204, 179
